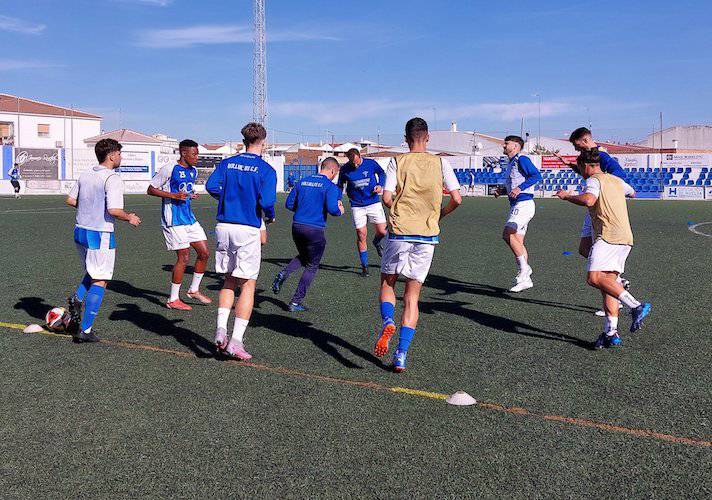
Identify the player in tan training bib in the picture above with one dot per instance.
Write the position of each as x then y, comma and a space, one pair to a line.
414, 194
613, 239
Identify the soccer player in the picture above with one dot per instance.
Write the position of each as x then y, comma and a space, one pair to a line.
15, 177
613, 239
364, 179
582, 139
414, 192
98, 196
245, 186
311, 200
181, 230
522, 175
291, 180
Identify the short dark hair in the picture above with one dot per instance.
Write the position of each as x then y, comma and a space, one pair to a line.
415, 129
592, 155
352, 153
253, 132
187, 143
105, 147
578, 134
515, 138
329, 159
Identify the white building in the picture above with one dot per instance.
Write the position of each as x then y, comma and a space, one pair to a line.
25, 123
695, 137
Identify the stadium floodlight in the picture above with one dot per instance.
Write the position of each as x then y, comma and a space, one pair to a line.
259, 89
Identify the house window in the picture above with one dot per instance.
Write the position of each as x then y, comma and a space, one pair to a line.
43, 130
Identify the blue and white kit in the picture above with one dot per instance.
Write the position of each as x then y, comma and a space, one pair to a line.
246, 189
522, 174
97, 191
180, 227
360, 182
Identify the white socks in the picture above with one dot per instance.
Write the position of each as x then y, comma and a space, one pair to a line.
195, 284
611, 324
522, 263
223, 315
628, 300
175, 292
238, 331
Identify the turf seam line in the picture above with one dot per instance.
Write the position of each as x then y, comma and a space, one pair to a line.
513, 410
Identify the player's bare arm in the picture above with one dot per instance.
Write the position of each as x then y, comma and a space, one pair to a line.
455, 201
121, 214
72, 202
584, 200
388, 198
182, 195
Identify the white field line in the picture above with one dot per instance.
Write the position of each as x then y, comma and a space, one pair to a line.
694, 227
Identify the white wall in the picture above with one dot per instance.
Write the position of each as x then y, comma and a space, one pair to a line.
60, 129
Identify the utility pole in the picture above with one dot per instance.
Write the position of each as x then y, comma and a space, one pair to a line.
661, 133
259, 90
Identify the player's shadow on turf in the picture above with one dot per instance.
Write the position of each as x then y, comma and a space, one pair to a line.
325, 341
498, 322
325, 267
162, 326
450, 286
34, 306
129, 290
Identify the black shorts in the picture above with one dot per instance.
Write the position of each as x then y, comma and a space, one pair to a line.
15, 185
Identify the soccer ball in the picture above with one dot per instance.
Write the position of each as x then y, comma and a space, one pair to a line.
57, 319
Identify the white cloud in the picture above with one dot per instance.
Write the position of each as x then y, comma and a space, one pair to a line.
352, 111
211, 34
13, 64
508, 111
13, 24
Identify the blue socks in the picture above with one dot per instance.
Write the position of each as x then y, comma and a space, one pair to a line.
83, 288
364, 258
406, 335
387, 311
91, 306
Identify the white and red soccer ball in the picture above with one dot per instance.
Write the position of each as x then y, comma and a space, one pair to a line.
57, 319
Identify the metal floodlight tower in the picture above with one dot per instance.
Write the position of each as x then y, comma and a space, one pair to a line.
259, 90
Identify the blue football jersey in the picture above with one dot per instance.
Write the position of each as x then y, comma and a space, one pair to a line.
176, 179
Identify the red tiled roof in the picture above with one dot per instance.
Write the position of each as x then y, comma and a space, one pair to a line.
124, 135
212, 147
10, 103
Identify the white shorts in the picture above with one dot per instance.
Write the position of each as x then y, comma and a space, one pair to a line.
239, 250
520, 215
587, 228
180, 237
98, 263
370, 213
408, 259
606, 257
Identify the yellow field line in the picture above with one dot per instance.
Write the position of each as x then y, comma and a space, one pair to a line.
513, 410
420, 394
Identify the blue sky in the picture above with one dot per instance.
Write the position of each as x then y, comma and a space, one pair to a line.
354, 68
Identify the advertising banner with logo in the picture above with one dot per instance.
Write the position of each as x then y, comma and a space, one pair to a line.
38, 163
686, 160
708, 193
684, 193
548, 162
632, 161
135, 165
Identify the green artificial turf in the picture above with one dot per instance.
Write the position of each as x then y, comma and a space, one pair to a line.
106, 420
